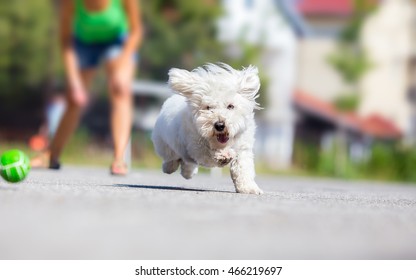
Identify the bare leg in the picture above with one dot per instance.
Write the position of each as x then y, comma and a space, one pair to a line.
69, 121
121, 100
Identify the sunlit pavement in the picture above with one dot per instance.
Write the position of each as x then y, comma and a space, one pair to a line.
84, 213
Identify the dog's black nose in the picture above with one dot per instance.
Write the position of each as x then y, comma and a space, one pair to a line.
219, 126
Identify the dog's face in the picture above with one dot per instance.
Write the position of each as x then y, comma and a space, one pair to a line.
221, 99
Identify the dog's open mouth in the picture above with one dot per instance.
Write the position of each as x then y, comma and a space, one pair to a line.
222, 138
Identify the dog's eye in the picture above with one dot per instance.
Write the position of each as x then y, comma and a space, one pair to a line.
208, 108
230, 107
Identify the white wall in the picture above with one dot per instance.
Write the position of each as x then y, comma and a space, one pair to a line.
387, 37
315, 75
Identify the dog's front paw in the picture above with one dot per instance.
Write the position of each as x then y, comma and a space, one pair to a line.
249, 188
224, 157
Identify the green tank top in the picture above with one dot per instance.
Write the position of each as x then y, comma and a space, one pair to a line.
102, 26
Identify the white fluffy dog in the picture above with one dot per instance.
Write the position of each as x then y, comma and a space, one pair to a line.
210, 122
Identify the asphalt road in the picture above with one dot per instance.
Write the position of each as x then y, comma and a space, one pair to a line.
84, 213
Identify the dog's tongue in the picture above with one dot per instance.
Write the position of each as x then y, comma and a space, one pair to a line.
222, 138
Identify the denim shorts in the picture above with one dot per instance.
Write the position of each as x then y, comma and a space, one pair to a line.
91, 55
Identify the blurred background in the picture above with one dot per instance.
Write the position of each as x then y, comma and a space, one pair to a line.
338, 81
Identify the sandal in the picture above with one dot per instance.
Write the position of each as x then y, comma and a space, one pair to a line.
43, 161
54, 165
40, 161
119, 169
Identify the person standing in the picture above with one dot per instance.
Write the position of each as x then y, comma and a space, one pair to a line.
95, 32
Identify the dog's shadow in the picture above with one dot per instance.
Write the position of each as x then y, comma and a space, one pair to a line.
170, 188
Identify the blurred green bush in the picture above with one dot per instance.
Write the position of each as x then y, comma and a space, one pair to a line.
386, 161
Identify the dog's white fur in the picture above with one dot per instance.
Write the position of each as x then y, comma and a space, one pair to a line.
210, 122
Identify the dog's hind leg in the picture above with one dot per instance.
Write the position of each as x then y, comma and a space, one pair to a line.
171, 166
171, 160
188, 169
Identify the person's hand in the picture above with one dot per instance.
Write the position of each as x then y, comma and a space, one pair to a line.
78, 96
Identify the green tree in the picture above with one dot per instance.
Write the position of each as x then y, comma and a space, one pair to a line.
27, 45
350, 59
183, 34
177, 33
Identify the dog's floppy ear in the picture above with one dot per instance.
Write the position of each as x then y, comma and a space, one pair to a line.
250, 84
183, 81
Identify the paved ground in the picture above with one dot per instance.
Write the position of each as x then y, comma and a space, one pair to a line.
84, 213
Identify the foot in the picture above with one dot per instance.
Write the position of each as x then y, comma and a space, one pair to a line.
54, 164
119, 168
43, 160
40, 161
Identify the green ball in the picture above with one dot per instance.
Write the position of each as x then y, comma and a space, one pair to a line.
14, 166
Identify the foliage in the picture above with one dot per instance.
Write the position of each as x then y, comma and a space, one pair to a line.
387, 161
178, 33
306, 155
362, 9
347, 102
183, 34
392, 162
27, 40
350, 60
351, 63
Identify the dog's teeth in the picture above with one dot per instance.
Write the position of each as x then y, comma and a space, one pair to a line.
222, 138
